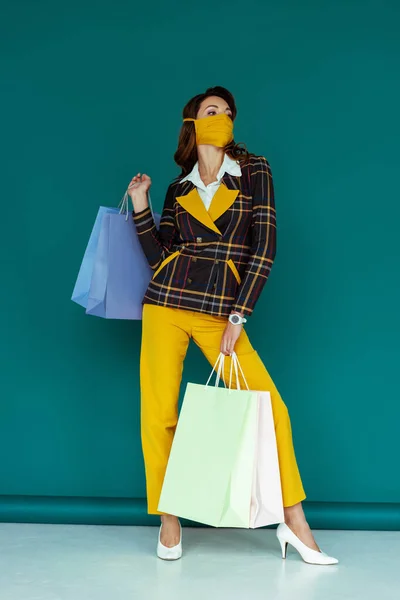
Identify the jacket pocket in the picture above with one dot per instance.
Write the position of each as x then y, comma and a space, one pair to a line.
165, 262
234, 270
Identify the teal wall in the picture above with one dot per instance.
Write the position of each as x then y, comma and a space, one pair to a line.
91, 93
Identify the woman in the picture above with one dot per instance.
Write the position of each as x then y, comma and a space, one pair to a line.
211, 258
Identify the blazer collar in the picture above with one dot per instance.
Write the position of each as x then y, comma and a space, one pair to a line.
223, 199
188, 196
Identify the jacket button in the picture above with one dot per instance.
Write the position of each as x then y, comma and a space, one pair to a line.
199, 240
194, 259
217, 262
189, 280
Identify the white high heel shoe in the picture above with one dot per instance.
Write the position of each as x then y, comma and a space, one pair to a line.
286, 536
166, 553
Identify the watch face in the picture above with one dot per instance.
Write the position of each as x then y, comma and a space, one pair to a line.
235, 319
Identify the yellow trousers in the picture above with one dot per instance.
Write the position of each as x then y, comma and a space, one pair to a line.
165, 339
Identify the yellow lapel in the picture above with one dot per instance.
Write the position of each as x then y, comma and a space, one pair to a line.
194, 205
222, 200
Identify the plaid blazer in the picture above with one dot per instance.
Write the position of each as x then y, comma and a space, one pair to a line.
218, 260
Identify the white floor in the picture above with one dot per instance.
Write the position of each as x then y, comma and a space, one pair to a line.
87, 562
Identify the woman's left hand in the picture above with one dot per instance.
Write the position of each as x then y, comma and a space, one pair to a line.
230, 337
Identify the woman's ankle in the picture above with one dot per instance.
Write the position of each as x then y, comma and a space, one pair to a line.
169, 519
294, 516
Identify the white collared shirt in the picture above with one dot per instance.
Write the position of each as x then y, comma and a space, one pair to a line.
207, 192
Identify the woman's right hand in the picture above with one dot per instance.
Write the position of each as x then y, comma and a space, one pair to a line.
137, 190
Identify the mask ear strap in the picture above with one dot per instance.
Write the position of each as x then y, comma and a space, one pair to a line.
189, 119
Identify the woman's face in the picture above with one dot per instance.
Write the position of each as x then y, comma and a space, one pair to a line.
213, 105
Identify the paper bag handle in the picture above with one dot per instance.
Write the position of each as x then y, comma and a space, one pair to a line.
219, 368
219, 365
235, 364
124, 205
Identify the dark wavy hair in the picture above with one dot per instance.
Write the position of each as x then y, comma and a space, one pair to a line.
186, 153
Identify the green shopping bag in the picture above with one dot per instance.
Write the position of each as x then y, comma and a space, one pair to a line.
210, 469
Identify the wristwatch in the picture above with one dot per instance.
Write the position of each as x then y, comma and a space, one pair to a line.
237, 319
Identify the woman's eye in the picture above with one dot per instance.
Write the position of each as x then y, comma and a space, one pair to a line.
211, 112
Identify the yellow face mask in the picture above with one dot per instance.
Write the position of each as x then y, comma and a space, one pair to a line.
216, 130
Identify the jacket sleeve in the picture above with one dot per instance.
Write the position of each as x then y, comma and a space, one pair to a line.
263, 238
157, 244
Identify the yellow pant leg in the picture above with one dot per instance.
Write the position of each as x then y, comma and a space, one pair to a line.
207, 333
165, 341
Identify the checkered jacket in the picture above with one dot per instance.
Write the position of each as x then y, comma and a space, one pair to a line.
218, 260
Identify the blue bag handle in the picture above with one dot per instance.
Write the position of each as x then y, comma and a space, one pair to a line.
124, 204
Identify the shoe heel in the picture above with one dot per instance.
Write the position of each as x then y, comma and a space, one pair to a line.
314, 557
284, 547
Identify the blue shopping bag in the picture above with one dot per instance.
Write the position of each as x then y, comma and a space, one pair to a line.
121, 272
114, 273
82, 286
